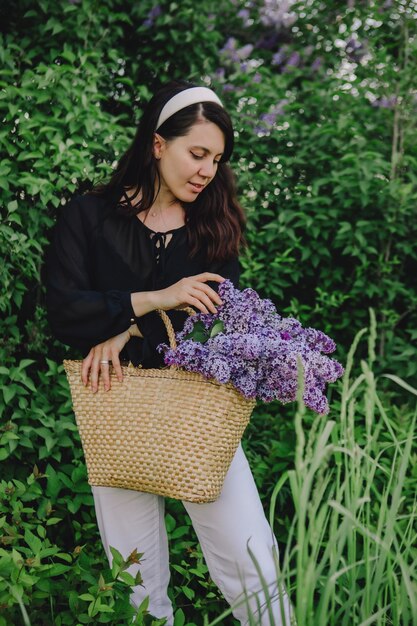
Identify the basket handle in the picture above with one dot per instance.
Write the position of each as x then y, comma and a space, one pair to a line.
168, 325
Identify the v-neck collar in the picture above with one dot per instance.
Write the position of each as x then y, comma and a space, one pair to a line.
160, 232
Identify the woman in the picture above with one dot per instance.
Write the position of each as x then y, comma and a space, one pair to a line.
162, 234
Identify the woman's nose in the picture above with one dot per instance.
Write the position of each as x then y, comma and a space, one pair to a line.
207, 169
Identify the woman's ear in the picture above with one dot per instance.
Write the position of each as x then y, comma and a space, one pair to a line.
158, 145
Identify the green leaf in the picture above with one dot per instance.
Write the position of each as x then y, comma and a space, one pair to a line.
104, 608
144, 605
25, 363
33, 542
58, 569
41, 530
189, 593
92, 609
117, 557
199, 336
179, 619
198, 333
127, 578
218, 327
9, 393
53, 520
86, 596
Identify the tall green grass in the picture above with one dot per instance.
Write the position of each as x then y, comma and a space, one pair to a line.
351, 554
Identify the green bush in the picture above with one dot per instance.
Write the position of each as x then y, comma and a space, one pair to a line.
323, 101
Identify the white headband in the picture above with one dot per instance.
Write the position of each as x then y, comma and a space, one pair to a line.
184, 99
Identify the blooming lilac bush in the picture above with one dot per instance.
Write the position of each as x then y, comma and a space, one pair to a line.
248, 344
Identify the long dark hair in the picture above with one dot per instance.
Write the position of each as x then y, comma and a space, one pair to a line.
215, 220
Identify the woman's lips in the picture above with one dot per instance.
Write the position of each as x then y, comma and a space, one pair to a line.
196, 187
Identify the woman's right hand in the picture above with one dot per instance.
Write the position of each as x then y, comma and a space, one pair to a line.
190, 291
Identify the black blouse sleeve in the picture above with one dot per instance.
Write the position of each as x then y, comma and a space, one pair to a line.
228, 269
79, 315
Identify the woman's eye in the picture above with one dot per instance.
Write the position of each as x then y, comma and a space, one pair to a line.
199, 157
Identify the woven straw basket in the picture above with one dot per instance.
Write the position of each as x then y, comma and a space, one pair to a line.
163, 431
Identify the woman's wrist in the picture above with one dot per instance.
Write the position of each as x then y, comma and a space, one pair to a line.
134, 331
144, 302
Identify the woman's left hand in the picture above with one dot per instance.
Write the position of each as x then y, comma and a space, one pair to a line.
100, 358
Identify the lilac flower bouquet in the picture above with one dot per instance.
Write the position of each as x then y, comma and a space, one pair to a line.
248, 344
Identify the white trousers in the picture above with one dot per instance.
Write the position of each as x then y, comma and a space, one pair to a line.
130, 519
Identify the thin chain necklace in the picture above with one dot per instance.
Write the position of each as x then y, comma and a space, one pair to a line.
161, 216
160, 213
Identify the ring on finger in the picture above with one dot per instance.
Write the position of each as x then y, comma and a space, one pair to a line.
105, 362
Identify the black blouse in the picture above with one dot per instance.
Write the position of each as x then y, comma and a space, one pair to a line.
97, 258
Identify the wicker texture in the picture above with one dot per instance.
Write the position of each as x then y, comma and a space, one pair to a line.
163, 431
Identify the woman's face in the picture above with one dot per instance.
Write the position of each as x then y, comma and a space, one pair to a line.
188, 164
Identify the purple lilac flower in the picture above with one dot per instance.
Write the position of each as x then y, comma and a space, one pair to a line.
229, 45
155, 12
279, 106
205, 318
216, 368
315, 401
152, 15
385, 102
277, 14
229, 50
293, 61
279, 57
232, 54
268, 120
244, 15
317, 339
246, 384
316, 65
245, 51
268, 41
248, 346
257, 351
210, 23
356, 50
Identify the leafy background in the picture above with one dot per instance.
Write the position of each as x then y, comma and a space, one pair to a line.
324, 101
